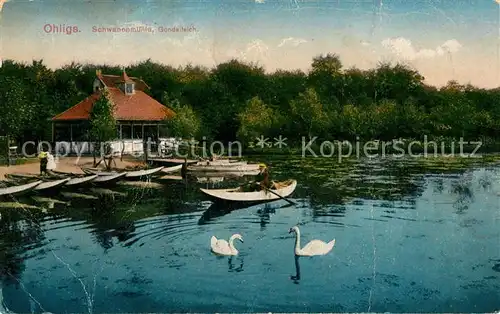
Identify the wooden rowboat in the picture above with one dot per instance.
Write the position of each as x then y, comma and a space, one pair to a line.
171, 169
130, 174
109, 179
225, 174
143, 173
221, 162
92, 171
46, 186
19, 189
225, 168
80, 181
285, 188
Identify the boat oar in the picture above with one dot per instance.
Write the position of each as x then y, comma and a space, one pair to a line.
283, 198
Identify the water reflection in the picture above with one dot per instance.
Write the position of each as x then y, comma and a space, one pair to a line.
21, 232
401, 202
463, 189
296, 278
214, 211
231, 263
265, 215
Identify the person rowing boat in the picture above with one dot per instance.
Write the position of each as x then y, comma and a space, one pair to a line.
263, 181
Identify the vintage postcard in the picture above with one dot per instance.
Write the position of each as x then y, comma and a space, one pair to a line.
164, 156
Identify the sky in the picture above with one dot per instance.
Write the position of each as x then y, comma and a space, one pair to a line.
443, 39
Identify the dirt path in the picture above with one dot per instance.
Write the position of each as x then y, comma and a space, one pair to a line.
65, 164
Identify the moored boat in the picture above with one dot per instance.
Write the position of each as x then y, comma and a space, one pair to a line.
109, 179
31, 176
220, 162
226, 174
283, 189
51, 185
171, 169
80, 181
19, 189
225, 168
143, 173
99, 172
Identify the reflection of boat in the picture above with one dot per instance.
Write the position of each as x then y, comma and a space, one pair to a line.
79, 195
143, 173
51, 185
19, 189
80, 181
214, 211
142, 184
209, 179
16, 205
102, 191
285, 188
109, 179
171, 169
50, 201
170, 177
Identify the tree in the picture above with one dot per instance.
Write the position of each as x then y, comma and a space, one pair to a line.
308, 113
395, 82
255, 121
326, 77
15, 110
186, 122
102, 124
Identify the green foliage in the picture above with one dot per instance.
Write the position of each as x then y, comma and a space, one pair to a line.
102, 121
4, 149
15, 110
256, 120
185, 124
308, 113
237, 99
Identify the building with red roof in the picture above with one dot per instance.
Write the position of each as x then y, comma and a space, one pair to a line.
138, 115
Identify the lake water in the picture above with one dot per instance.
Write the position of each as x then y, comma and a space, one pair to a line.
411, 236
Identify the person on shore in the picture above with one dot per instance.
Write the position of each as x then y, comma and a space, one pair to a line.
51, 163
184, 169
43, 156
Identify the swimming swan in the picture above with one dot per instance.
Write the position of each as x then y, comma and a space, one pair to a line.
315, 247
222, 247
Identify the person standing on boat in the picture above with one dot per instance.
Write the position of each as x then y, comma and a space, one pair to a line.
43, 161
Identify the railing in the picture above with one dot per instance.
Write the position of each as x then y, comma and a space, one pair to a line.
8, 151
4, 150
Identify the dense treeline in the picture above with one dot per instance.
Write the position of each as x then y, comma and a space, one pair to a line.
235, 100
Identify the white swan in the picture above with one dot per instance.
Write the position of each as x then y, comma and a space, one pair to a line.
222, 247
315, 247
